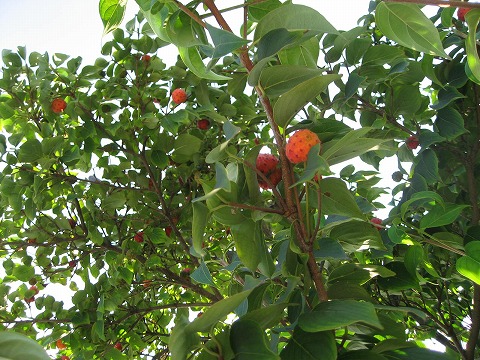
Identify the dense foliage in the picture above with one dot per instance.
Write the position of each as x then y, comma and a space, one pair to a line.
148, 209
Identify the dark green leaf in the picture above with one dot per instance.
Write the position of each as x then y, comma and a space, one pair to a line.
309, 345
202, 275
441, 215
449, 123
248, 341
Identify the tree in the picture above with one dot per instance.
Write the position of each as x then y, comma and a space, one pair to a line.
149, 219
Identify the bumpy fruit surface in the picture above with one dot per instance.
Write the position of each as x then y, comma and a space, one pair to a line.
179, 96
461, 13
268, 165
58, 105
138, 237
299, 144
60, 345
118, 346
412, 142
203, 124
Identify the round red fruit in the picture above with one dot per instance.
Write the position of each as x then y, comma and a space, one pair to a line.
412, 142
377, 222
65, 357
203, 124
299, 144
118, 346
179, 96
72, 263
461, 12
138, 237
268, 165
72, 223
146, 58
146, 283
168, 230
58, 105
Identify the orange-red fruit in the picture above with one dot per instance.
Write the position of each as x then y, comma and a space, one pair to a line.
146, 283
61, 345
268, 165
168, 230
179, 96
65, 357
376, 222
138, 237
203, 124
146, 58
461, 13
299, 144
412, 142
58, 105
118, 346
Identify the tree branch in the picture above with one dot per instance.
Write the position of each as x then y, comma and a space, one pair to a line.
441, 3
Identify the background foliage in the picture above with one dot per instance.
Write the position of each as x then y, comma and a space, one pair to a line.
148, 219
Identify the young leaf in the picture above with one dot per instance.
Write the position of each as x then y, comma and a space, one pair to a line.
407, 25
111, 13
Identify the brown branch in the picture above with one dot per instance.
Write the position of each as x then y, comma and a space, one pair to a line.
441, 3
190, 13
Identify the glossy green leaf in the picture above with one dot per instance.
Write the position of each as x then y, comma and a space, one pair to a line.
268, 316
202, 275
247, 237
30, 151
199, 223
15, 346
407, 25
426, 165
445, 96
402, 280
186, 146
191, 57
292, 101
224, 42
275, 40
221, 177
217, 312
450, 123
308, 345
248, 341
335, 314
473, 18
441, 215
357, 236
111, 13
293, 17
337, 199
469, 265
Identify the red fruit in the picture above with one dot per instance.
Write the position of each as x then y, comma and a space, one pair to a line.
179, 96
203, 124
58, 105
65, 357
72, 263
299, 144
186, 271
461, 13
377, 222
146, 283
199, 314
72, 223
29, 300
267, 164
412, 142
32, 241
61, 345
146, 58
168, 230
118, 346
257, 141
138, 237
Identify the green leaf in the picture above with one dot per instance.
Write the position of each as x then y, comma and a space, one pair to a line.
417, 353
217, 312
23, 272
426, 165
182, 338
247, 237
449, 123
315, 164
111, 13
191, 57
357, 236
469, 265
337, 199
351, 145
30, 151
472, 18
268, 316
293, 17
403, 280
361, 355
199, 223
186, 146
248, 341
308, 345
221, 177
445, 96
202, 275
15, 346
353, 83
407, 25
275, 40
335, 314
114, 201
292, 101
421, 198
225, 42
441, 215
